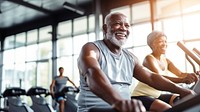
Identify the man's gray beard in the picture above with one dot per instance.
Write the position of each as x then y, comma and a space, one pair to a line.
117, 42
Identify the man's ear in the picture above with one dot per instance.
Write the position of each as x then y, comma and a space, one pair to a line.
105, 28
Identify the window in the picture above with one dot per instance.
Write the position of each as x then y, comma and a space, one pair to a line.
45, 34
91, 23
64, 46
80, 26
190, 6
10, 54
67, 64
191, 26
124, 10
43, 71
32, 52
173, 52
92, 37
9, 42
30, 74
20, 40
78, 42
45, 50
144, 12
20, 55
167, 8
139, 33
174, 33
32, 36
8, 71
64, 29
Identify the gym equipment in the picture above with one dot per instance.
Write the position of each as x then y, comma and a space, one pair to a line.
192, 104
14, 101
69, 93
39, 103
3, 109
96, 109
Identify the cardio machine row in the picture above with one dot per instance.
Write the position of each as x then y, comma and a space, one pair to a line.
14, 102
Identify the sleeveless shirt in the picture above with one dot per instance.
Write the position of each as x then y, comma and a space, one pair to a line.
60, 83
143, 89
118, 70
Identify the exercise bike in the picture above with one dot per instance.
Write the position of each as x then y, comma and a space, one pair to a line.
14, 101
191, 105
39, 103
3, 109
69, 93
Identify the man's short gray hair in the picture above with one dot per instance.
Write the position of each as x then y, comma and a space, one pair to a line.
107, 18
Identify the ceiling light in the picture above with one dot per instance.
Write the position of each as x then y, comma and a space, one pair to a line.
73, 8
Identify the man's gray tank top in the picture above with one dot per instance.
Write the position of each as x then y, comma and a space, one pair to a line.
119, 71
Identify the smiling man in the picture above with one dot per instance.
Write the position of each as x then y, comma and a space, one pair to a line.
106, 71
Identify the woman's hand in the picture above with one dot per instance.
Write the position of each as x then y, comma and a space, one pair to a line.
189, 78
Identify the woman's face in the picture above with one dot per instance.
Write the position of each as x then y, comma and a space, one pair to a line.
61, 71
159, 45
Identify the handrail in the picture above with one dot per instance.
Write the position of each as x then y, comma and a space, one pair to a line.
188, 52
196, 51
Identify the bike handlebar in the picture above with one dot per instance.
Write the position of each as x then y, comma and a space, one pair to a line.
96, 109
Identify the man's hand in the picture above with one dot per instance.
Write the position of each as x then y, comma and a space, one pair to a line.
187, 92
132, 105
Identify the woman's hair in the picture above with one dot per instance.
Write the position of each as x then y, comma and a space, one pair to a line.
60, 68
153, 35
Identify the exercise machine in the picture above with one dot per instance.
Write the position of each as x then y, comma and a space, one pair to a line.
14, 100
190, 105
69, 93
3, 109
39, 103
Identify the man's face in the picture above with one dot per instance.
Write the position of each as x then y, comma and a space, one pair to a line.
118, 29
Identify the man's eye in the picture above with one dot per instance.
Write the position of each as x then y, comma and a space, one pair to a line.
117, 24
127, 26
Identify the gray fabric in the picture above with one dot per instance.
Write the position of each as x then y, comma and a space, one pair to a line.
60, 83
119, 71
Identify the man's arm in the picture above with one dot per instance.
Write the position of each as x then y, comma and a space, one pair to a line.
95, 77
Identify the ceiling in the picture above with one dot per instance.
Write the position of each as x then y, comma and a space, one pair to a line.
23, 15
17, 12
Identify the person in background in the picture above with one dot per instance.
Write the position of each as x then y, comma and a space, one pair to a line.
58, 83
157, 62
106, 71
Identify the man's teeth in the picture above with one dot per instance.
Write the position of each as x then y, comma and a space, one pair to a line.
119, 34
